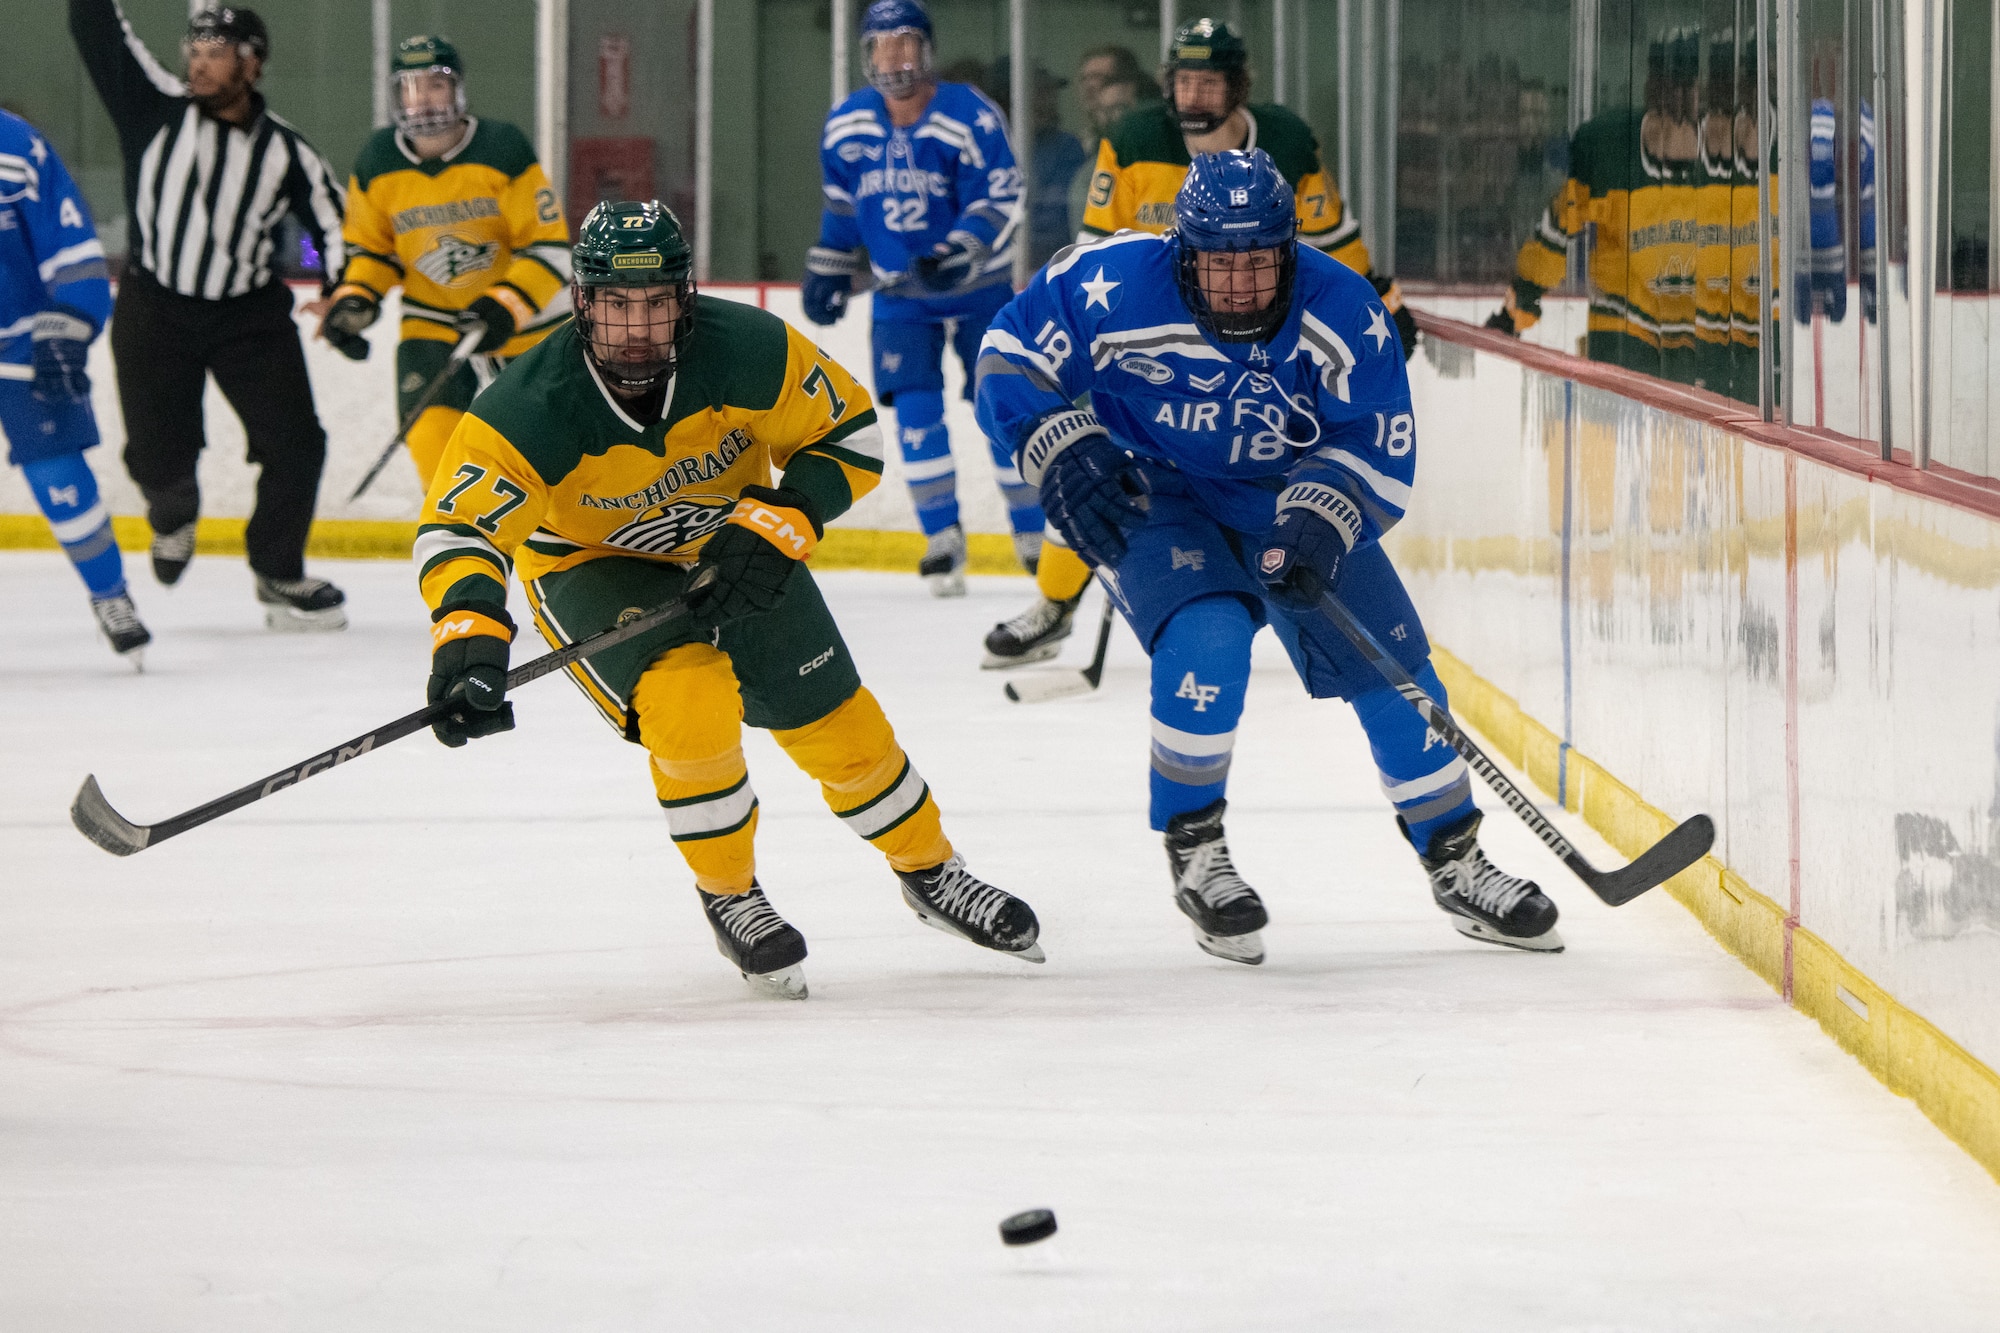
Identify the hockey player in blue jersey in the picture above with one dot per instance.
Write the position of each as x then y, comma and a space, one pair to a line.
923, 194
1248, 441
54, 299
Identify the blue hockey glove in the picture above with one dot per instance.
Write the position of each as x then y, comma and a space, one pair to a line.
829, 281
469, 665
1090, 488
1316, 527
951, 264
62, 355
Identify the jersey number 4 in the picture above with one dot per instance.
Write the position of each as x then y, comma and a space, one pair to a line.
470, 475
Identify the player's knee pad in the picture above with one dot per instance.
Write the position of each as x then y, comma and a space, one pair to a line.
66, 492
690, 710
427, 439
1423, 777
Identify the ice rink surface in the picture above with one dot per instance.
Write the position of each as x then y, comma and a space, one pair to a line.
441, 1040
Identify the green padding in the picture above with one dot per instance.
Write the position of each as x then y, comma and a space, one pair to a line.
418, 361
791, 662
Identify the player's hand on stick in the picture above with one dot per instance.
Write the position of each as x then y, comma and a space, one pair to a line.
951, 264
469, 663
1315, 529
829, 282
62, 353
1091, 489
487, 321
345, 318
754, 551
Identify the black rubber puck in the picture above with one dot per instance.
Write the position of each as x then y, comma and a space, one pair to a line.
1029, 1227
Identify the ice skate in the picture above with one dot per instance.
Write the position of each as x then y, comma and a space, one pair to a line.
950, 898
763, 946
301, 605
119, 620
1028, 550
1035, 635
1228, 915
1484, 903
172, 552
943, 565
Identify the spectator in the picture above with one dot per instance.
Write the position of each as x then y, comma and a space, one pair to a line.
1055, 158
1109, 82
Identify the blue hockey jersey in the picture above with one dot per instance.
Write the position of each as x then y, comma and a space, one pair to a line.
899, 190
1325, 400
49, 251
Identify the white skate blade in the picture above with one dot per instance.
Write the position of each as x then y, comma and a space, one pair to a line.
1041, 653
787, 983
1547, 942
946, 585
1247, 948
1032, 954
1042, 687
137, 657
291, 620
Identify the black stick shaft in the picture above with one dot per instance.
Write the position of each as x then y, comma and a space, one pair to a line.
1095, 671
460, 354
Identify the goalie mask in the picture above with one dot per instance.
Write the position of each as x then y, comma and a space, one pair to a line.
897, 18
1236, 248
1208, 44
634, 293
414, 85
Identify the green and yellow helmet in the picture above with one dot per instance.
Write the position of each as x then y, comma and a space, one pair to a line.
1208, 44
424, 54
634, 292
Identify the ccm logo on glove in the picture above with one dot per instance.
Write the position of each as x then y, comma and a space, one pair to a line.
787, 529
464, 625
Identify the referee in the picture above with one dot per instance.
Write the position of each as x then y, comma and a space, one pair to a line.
210, 175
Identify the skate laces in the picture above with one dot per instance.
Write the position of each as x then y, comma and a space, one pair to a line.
961, 894
1040, 617
748, 917
116, 613
1213, 876
1484, 885
175, 545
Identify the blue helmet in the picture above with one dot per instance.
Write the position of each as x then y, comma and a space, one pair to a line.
891, 16
1236, 200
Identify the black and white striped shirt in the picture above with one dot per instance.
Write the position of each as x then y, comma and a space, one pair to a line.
206, 198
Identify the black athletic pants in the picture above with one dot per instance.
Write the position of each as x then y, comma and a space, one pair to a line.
164, 345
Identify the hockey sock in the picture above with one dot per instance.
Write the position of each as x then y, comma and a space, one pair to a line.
427, 439
1062, 574
1422, 775
689, 721
1024, 502
1201, 668
870, 783
66, 490
927, 461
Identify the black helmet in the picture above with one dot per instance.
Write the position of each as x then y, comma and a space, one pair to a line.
1208, 44
230, 24
626, 245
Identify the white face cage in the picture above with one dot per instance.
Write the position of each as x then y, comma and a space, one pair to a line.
429, 121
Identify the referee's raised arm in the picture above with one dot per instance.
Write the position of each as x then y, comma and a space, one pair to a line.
210, 175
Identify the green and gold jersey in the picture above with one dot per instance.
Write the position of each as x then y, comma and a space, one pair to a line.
480, 220
1142, 162
548, 471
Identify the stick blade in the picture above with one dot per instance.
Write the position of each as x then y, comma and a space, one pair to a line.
1656, 865
96, 820
1040, 689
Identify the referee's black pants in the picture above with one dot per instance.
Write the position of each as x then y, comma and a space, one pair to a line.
164, 344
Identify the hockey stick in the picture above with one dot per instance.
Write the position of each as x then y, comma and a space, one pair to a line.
461, 353
96, 820
1039, 689
1657, 864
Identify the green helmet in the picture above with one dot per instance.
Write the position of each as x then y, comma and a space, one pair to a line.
626, 245
1208, 44
424, 54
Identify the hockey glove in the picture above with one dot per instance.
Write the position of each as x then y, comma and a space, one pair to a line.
951, 264
1391, 293
754, 552
62, 353
1316, 527
829, 281
489, 321
1091, 489
350, 315
469, 665
1513, 318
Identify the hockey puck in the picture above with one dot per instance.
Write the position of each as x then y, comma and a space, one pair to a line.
1029, 1227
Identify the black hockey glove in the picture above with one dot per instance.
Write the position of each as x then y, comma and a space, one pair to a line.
469, 664
1391, 293
754, 551
951, 264
1316, 527
62, 351
351, 314
488, 321
1501, 322
1091, 489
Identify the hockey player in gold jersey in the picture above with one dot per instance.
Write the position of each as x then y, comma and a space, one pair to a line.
614, 462
1140, 167
457, 211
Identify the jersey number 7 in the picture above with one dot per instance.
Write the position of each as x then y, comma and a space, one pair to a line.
818, 380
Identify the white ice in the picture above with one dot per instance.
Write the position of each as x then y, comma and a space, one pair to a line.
441, 1041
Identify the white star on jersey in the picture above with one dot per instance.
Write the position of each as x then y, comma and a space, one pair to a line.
1378, 327
987, 121
1099, 289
